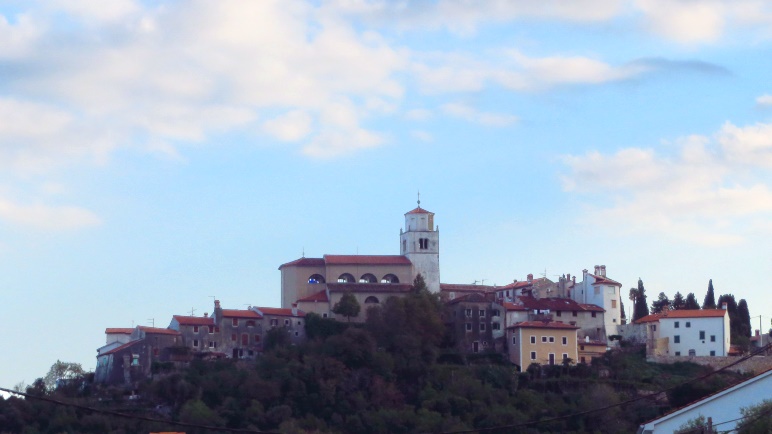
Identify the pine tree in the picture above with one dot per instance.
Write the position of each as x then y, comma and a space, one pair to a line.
678, 302
641, 308
661, 304
744, 317
710, 298
691, 302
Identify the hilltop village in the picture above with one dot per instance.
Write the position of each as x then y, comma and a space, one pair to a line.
528, 321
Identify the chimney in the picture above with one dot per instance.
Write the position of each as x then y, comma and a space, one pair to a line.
206, 314
568, 276
217, 304
574, 280
603, 270
530, 278
723, 306
294, 309
757, 333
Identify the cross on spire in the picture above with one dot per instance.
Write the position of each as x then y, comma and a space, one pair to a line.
419, 198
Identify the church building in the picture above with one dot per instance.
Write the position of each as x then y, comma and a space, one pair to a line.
317, 284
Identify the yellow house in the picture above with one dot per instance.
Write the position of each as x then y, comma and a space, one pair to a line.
544, 342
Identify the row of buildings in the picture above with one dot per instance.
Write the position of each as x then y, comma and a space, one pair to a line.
530, 321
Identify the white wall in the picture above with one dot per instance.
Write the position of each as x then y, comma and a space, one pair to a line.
690, 336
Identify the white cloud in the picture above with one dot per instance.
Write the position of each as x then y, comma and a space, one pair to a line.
418, 114
423, 136
40, 216
764, 100
467, 113
703, 193
289, 127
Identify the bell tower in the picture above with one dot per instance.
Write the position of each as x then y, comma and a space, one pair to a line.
420, 242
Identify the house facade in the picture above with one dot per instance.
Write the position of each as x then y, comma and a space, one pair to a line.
543, 342
476, 323
599, 290
685, 332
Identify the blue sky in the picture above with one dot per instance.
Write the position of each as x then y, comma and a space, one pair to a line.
155, 154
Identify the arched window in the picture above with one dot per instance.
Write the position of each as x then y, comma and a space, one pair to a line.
367, 278
371, 300
316, 278
346, 278
389, 278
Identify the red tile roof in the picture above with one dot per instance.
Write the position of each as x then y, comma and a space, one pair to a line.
238, 313
122, 331
543, 324
158, 331
305, 262
419, 210
684, 313
553, 304
279, 311
462, 287
513, 306
592, 307
124, 346
366, 260
601, 280
319, 296
472, 297
517, 285
369, 287
193, 320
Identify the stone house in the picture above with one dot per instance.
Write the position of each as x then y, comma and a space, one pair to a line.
132, 361
292, 320
588, 318
476, 323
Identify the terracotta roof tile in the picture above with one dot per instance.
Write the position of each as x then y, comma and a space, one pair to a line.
592, 307
122, 347
305, 262
684, 313
318, 296
122, 331
551, 303
193, 320
514, 306
366, 260
239, 313
517, 285
158, 331
601, 280
419, 210
277, 311
472, 297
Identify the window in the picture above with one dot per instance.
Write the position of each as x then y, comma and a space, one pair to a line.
389, 278
495, 312
482, 313
565, 340
251, 323
296, 334
692, 353
372, 300
195, 329
581, 347
135, 360
469, 313
552, 339
676, 325
469, 327
583, 360
565, 356
274, 322
573, 313
677, 353
300, 322
594, 314
286, 322
235, 322
211, 329
533, 355
677, 339
345, 278
702, 334
653, 327
544, 339
613, 304
316, 278
195, 343
533, 339
514, 340
712, 353
324, 315
557, 313
212, 344
495, 326
482, 327
368, 278
713, 338
244, 339
688, 324
257, 338
233, 337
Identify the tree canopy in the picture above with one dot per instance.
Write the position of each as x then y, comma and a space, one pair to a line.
691, 302
661, 304
348, 306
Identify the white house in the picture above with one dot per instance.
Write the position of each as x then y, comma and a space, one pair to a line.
722, 407
687, 332
601, 291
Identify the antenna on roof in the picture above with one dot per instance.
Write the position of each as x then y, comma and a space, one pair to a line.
303, 255
192, 311
152, 322
419, 198
214, 297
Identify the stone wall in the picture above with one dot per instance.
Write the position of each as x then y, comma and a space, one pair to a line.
754, 365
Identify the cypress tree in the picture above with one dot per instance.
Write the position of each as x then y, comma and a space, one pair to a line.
710, 298
744, 316
641, 308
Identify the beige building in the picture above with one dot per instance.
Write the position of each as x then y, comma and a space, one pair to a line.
543, 342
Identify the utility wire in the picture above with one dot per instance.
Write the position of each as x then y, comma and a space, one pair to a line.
132, 416
619, 404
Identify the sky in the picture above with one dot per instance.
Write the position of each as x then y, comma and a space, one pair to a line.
155, 155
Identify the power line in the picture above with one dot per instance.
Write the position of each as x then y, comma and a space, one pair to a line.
131, 416
620, 404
